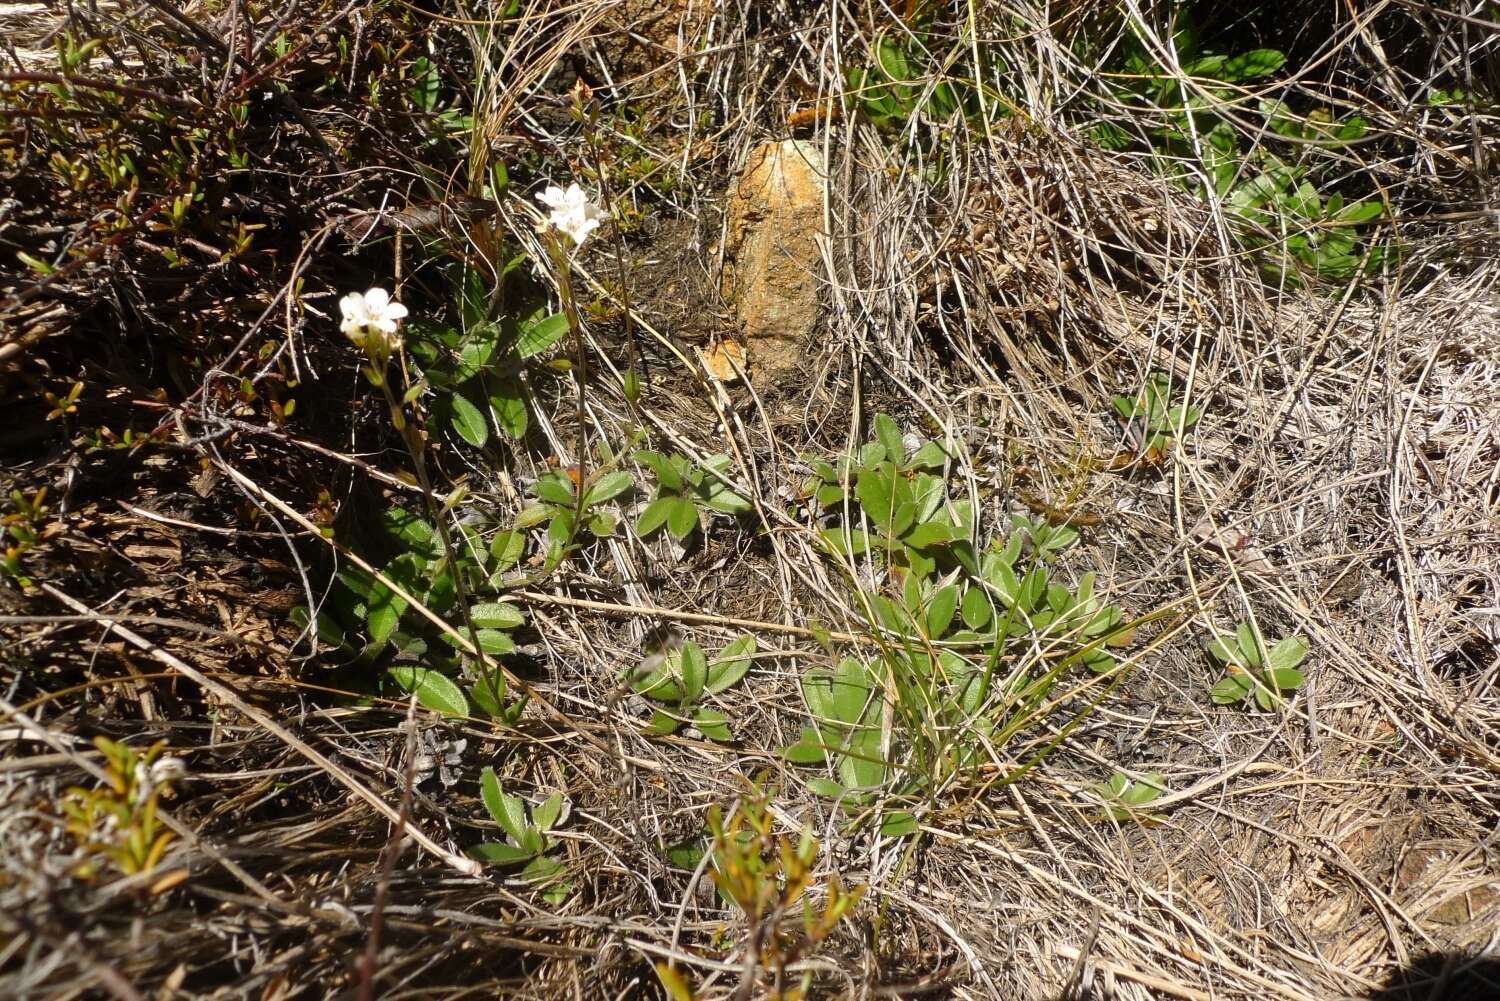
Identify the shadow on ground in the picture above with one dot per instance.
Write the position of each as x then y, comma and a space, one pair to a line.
1444, 977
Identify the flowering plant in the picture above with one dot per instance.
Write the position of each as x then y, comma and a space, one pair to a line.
371, 312
572, 212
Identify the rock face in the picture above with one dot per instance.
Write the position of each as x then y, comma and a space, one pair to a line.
772, 261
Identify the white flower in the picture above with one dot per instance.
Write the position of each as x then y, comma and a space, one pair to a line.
572, 212
373, 310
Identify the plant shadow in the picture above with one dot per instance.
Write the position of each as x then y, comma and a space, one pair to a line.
1444, 977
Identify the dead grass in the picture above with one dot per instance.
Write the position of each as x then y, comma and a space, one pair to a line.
1343, 484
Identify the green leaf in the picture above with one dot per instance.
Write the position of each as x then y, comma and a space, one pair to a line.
475, 354
507, 547
1252, 65
556, 488
857, 544
808, 750
383, 613
692, 668
433, 689
1287, 679
662, 723
898, 825
731, 665
977, 610
1231, 690
666, 472
940, 611
932, 533
508, 811
488, 693
682, 517
496, 853
497, 615
466, 420
672, 980
930, 456
328, 630
607, 487
850, 692
826, 788
534, 515
654, 516
876, 490
508, 404
889, 436
1287, 653
539, 334
492, 796
714, 725
546, 815
542, 871
659, 685
407, 528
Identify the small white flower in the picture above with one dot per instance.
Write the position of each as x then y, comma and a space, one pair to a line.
373, 310
572, 212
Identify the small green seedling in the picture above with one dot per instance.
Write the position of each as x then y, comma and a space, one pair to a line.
1254, 669
1152, 419
687, 494
1044, 539
1124, 797
24, 525
684, 677
527, 840
558, 507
